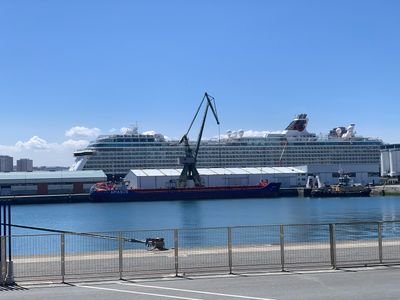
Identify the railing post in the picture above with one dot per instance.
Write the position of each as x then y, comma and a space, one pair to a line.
3, 258
120, 255
10, 267
62, 238
176, 252
332, 238
282, 244
1, 246
230, 249
380, 242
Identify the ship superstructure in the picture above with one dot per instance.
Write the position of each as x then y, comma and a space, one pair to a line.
116, 154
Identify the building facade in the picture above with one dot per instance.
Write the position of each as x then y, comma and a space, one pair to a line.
6, 163
390, 160
24, 165
210, 177
359, 173
47, 183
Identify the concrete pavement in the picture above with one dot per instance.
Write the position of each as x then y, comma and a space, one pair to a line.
353, 283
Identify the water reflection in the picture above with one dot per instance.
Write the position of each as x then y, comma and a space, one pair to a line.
190, 213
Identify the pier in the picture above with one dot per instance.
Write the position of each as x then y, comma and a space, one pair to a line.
84, 197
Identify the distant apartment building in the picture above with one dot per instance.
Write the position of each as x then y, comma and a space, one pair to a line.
6, 163
24, 165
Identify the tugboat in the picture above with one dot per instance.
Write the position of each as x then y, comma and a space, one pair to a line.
345, 188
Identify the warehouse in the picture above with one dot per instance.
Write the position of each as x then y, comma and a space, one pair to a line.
167, 178
44, 183
329, 173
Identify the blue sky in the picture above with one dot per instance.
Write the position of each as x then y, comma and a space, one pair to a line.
104, 65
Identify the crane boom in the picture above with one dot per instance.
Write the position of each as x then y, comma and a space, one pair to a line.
189, 171
208, 105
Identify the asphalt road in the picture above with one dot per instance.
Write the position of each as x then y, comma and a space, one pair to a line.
353, 283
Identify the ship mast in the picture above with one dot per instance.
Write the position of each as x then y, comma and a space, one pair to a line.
189, 171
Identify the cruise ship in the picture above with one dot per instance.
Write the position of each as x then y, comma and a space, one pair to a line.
116, 154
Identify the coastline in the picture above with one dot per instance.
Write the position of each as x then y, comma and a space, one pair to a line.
389, 190
84, 197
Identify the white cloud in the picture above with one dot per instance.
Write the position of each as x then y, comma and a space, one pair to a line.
44, 153
34, 142
82, 131
75, 144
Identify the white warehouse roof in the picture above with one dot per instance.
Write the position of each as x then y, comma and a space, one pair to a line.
164, 178
51, 177
220, 171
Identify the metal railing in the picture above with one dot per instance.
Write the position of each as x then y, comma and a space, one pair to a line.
67, 256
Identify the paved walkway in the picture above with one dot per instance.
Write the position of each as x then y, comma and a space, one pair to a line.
354, 283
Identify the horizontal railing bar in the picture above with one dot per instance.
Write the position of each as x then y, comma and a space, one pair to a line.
97, 235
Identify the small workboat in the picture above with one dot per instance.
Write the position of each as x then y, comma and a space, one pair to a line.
344, 188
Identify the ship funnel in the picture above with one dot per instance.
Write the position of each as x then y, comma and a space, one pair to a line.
299, 123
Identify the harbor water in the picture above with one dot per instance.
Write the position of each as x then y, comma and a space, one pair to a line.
97, 217
154, 216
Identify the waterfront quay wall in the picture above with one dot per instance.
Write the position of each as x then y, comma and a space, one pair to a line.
84, 197
386, 189
69, 257
46, 199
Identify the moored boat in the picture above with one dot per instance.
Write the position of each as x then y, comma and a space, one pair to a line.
345, 188
104, 192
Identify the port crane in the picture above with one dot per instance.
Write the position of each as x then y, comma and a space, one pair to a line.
189, 171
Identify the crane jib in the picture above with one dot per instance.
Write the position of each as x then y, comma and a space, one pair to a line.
189, 170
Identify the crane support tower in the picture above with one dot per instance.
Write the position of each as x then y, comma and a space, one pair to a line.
189, 171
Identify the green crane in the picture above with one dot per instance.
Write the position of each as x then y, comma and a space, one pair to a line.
189, 171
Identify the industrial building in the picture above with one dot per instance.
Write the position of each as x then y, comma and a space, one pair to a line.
164, 178
287, 176
24, 165
6, 163
390, 160
44, 183
366, 173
